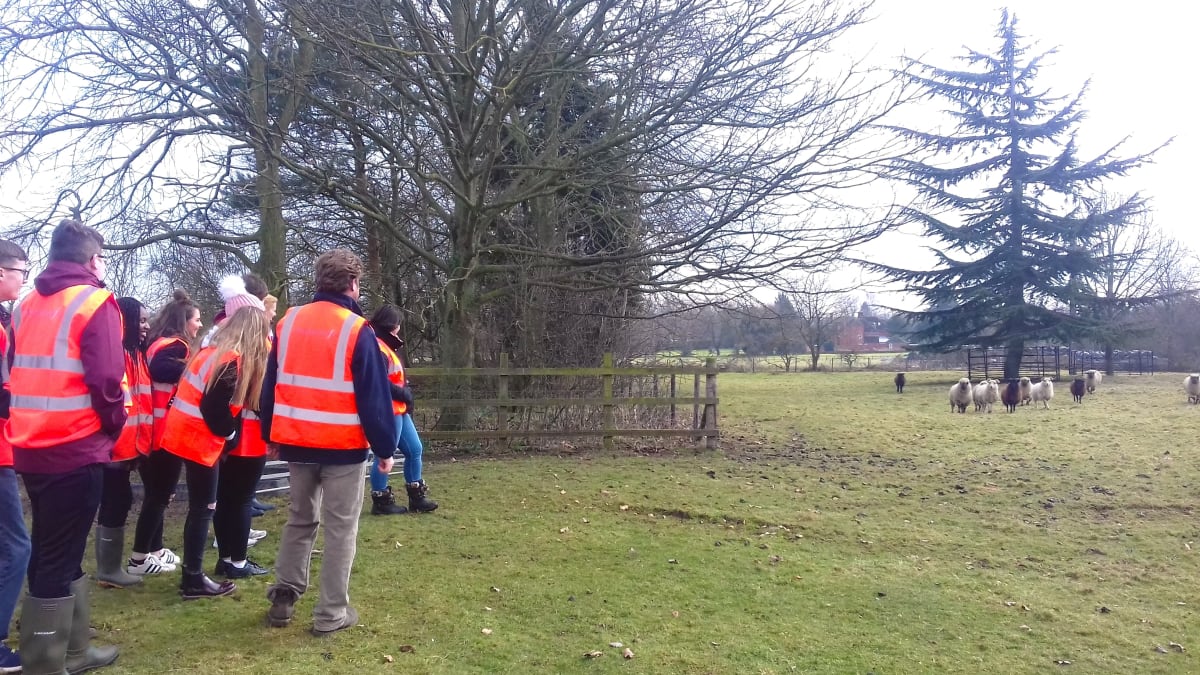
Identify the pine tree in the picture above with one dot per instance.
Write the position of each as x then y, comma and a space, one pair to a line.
1003, 193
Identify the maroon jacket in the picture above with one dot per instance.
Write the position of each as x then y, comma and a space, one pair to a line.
103, 368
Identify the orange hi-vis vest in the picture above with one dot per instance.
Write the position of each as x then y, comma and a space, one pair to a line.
161, 392
314, 389
250, 443
184, 433
395, 369
51, 404
6, 454
138, 433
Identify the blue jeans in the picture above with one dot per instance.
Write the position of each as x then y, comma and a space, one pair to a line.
14, 547
410, 447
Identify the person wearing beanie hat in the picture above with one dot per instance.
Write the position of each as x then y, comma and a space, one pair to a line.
232, 290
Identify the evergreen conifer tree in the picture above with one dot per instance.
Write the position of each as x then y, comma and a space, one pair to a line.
1003, 193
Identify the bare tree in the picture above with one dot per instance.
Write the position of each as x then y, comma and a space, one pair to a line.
820, 309
1138, 266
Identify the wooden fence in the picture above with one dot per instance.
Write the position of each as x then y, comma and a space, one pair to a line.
1036, 363
700, 406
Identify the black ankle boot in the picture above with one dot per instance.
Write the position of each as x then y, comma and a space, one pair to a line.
383, 503
195, 585
417, 499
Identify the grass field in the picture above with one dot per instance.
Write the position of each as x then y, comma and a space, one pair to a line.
842, 529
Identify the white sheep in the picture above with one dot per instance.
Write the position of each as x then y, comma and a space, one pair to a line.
1191, 384
960, 396
1042, 392
985, 394
1093, 379
1026, 385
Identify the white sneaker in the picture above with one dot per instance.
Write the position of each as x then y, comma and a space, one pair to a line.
257, 534
151, 565
250, 542
167, 558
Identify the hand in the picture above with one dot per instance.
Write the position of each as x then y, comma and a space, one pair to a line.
272, 451
385, 465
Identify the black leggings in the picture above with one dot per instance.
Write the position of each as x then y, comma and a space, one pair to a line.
160, 477
235, 491
117, 495
202, 492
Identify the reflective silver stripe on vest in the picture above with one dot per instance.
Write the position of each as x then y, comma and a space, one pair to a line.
249, 415
60, 360
142, 389
62, 364
187, 408
163, 387
317, 416
160, 413
52, 403
134, 420
337, 382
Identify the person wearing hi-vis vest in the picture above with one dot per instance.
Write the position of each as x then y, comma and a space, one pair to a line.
14, 539
116, 497
66, 410
205, 424
325, 400
170, 339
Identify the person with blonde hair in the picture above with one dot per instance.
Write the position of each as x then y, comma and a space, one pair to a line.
205, 426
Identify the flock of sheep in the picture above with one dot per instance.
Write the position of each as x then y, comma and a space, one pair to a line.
1025, 391
1018, 392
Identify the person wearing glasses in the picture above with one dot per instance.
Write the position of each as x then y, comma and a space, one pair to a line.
14, 540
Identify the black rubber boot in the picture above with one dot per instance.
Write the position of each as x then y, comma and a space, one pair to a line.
196, 585
45, 631
81, 655
383, 503
110, 559
417, 497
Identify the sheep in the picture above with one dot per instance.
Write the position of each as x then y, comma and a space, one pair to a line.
1094, 377
986, 394
1026, 386
1191, 385
899, 383
960, 396
1078, 387
1042, 392
1011, 395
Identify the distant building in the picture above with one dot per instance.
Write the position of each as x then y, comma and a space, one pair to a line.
866, 333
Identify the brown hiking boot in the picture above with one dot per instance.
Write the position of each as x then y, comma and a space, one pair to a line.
283, 606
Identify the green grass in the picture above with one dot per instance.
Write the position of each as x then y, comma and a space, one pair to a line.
843, 529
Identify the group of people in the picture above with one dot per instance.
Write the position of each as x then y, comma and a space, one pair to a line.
95, 389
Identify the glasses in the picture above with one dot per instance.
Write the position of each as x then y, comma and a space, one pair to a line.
24, 272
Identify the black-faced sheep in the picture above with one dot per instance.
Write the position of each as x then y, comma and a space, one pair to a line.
960, 396
1011, 395
1191, 384
1078, 388
899, 383
1026, 386
1093, 378
1042, 392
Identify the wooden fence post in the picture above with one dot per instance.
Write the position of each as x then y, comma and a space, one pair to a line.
606, 384
710, 409
502, 394
696, 421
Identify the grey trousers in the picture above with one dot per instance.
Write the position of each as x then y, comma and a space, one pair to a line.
331, 494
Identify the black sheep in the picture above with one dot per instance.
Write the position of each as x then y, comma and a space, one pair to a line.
1011, 395
899, 383
1078, 389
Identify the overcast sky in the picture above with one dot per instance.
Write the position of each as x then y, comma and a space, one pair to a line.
1140, 57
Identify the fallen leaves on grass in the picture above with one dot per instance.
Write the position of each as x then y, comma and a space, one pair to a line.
628, 653
594, 654
486, 631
